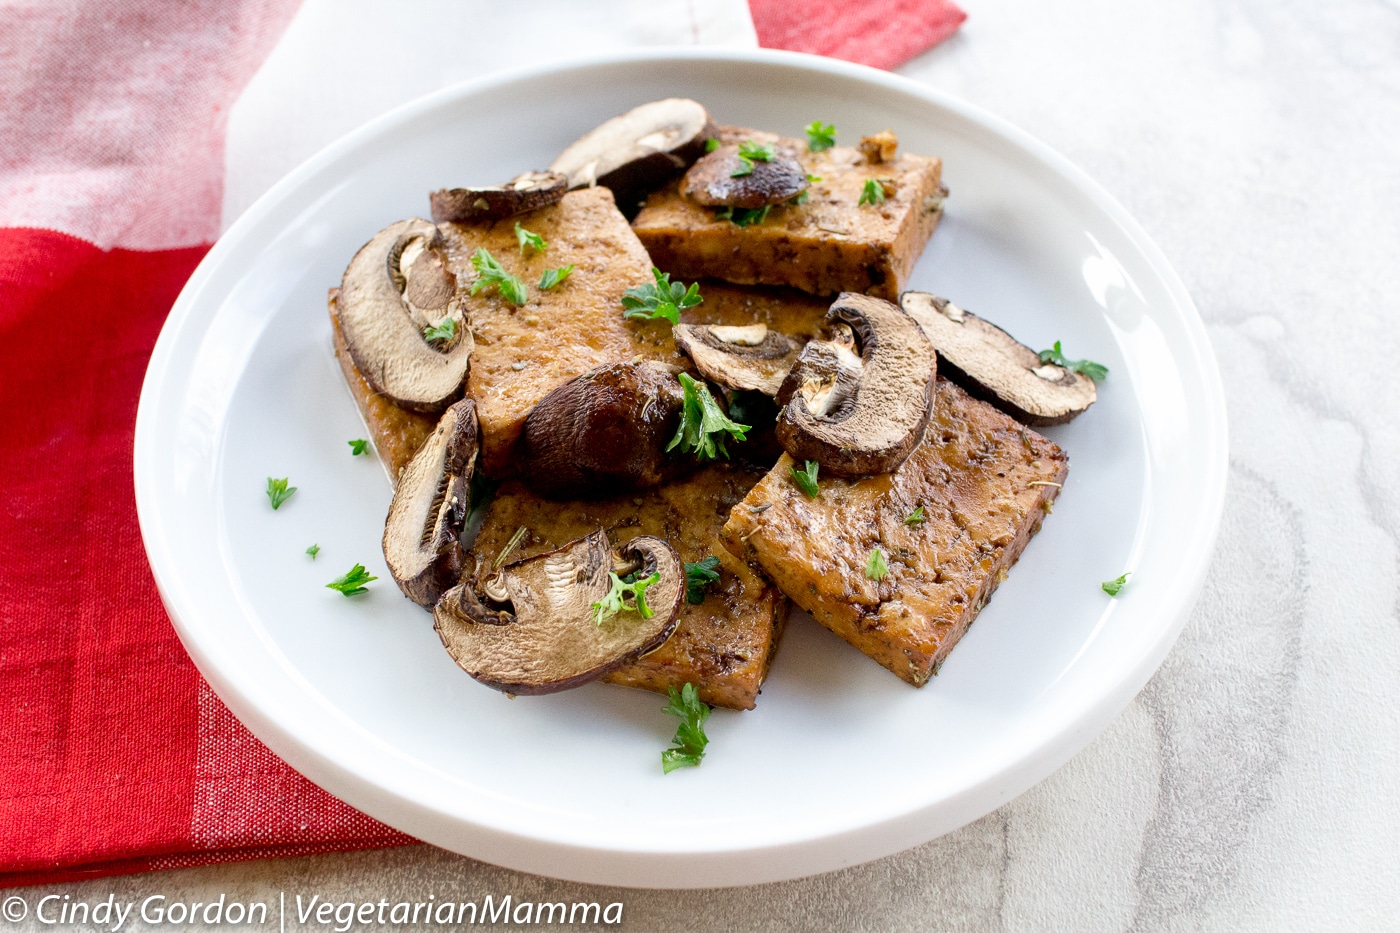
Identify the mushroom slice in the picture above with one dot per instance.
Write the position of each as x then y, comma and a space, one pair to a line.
723, 179
430, 507
749, 356
397, 286
604, 432
639, 151
858, 403
530, 628
991, 365
522, 193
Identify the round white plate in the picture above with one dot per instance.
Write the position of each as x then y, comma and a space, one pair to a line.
841, 762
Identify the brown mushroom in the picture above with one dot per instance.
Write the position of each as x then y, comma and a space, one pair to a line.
993, 366
430, 506
879, 147
527, 192
748, 356
604, 432
858, 403
395, 288
639, 151
532, 626
724, 178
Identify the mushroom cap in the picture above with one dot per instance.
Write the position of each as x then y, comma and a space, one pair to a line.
522, 193
430, 506
993, 366
639, 151
383, 323
546, 639
739, 357
604, 432
859, 410
711, 181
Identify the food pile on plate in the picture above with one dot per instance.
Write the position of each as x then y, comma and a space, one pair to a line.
638, 403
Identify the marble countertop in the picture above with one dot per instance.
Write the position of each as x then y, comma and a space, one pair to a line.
1253, 785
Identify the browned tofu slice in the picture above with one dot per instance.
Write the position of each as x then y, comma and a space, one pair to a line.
827, 245
723, 645
984, 483
785, 310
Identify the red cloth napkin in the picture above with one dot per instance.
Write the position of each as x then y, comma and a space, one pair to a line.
115, 756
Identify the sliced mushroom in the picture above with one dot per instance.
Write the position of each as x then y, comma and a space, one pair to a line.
748, 356
992, 365
430, 507
858, 403
530, 627
713, 182
527, 192
639, 151
604, 432
396, 287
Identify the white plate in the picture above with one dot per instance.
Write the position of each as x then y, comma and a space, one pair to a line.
840, 762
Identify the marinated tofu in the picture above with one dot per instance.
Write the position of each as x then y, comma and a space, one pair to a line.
828, 244
723, 645
984, 483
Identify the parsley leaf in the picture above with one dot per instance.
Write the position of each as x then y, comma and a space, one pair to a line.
361, 445
441, 333
875, 567
813, 179
533, 240
806, 480
743, 216
820, 136
491, 274
314, 550
915, 517
553, 277
1112, 587
749, 153
615, 602
1089, 368
278, 492
799, 198
352, 582
872, 193
712, 144
703, 423
665, 299
688, 745
698, 576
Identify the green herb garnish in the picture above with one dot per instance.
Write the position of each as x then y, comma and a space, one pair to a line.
749, 153
872, 193
820, 136
533, 240
813, 179
441, 333
553, 277
361, 445
615, 601
698, 576
480, 491
915, 517
711, 144
314, 550
278, 492
491, 274
1089, 368
806, 480
875, 567
799, 198
688, 745
353, 582
743, 216
1113, 586
703, 423
664, 299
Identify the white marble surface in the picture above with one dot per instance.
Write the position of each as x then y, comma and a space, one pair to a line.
1253, 785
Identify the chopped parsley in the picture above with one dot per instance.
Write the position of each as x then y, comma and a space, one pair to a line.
872, 193
532, 240
813, 179
703, 423
806, 480
1094, 371
358, 446
711, 144
314, 550
615, 602
491, 274
749, 153
1112, 587
743, 216
688, 745
698, 576
664, 299
876, 568
553, 277
278, 492
352, 583
799, 198
820, 136
915, 517
441, 333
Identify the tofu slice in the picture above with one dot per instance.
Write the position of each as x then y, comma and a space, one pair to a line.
985, 483
828, 245
723, 645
